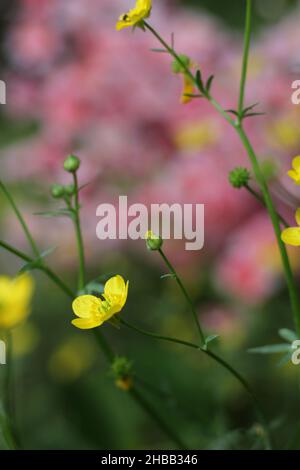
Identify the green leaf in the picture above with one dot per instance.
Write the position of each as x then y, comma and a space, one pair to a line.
209, 83
36, 263
92, 288
199, 81
164, 276
56, 213
191, 95
211, 338
253, 114
249, 108
232, 111
288, 335
208, 340
285, 359
31, 266
47, 252
160, 51
271, 349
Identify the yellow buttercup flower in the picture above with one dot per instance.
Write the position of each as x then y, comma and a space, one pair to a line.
136, 15
93, 311
15, 297
291, 235
188, 89
295, 172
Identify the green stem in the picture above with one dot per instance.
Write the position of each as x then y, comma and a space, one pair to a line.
9, 395
295, 303
21, 219
185, 294
43, 268
104, 345
156, 336
247, 39
221, 362
188, 72
262, 201
138, 397
80, 246
290, 280
101, 341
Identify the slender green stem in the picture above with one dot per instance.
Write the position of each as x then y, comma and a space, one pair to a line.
262, 201
276, 225
247, 39
188, 72
16, 252
104, 345
221, 362
101, 341
290, 280
43, 268
145, 404
156, 336
81, 275
54, 277
185, 294
21, 219
9, 393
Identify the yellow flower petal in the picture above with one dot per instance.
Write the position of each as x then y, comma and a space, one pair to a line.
86, 323
188, 89
294, 175
15, 296
23, 288
141, 10
115, 291
86, 306
291, 236
296, 163
297, 216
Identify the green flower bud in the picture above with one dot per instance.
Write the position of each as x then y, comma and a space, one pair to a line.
71, 163
121, 367
121, 370
70, 189
57, 191
239, 177
153, 242
177, 67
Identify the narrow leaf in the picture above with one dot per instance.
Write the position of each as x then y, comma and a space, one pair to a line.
271, 349
209, 83
249, 108
285, 359
199, 81
288, 335
211, 338
164, 276
56, 213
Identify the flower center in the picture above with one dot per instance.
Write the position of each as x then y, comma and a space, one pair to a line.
104, 307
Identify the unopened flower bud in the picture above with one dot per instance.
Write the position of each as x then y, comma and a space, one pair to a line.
70, 189
71, 163
239, 177
124, 383
121, 370
153, 241
57, 191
